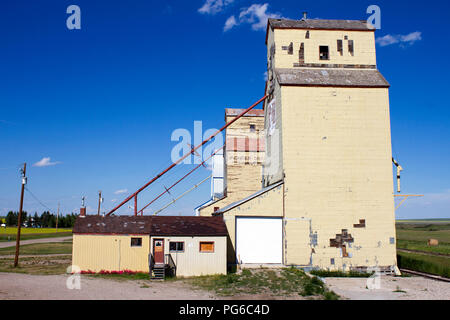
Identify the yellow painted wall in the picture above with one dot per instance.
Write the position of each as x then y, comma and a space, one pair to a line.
268, 204
364, 46
109, 252
191, 262
337, 162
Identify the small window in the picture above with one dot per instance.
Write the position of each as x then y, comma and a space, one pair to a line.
340, 47
351, 47
323, 53
136, 242
252, 128
176, 246
207, 246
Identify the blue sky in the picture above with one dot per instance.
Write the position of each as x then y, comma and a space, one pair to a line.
102, 102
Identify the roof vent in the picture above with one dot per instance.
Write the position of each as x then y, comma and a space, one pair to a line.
305, 15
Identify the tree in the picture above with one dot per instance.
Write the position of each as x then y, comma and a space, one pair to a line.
11, 219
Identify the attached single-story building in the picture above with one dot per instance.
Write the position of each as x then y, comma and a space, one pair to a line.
189, 246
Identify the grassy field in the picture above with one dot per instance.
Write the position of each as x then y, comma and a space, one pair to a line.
37, 265
9, 233
282, 282
40, 249
413, 235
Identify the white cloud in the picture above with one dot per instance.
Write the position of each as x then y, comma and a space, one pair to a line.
230, 23
113, 200
407, 39
45, 162
256, 15
121, 191
265, 75
214, 6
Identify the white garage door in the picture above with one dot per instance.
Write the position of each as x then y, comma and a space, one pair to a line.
259, 240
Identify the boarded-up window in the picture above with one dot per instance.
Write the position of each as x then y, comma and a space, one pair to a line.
340, 48
136, 242
207, 246
351, 47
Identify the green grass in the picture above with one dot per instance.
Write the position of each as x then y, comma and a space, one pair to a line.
442, 248
437, 265
40, 248
31, 236
13, 230
340, 274
37, 265
274, 282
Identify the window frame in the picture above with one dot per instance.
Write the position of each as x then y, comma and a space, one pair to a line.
213, 246
176, 250
134, 245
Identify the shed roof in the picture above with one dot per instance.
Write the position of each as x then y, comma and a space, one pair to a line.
331, 77
237, 111
250, 197
320, 24
152, 225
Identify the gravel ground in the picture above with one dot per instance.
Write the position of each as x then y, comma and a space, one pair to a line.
7, 244
416, 288
33, 287
39, 287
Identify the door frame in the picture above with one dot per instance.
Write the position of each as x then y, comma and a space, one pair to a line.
153, 249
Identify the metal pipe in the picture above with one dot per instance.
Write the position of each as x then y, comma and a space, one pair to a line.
186, 155
182, 195
182, 178
399, 169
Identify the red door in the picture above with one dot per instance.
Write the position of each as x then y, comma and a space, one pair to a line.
158, 250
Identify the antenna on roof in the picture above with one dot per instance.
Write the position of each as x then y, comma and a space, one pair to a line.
305, 15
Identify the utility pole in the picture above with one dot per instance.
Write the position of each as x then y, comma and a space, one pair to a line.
100, 200
19, 220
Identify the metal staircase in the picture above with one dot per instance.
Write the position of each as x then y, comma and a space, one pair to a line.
158, 271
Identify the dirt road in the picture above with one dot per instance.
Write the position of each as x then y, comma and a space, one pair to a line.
24, 286
7, 244
391, 288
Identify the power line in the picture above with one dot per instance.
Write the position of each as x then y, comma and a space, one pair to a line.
39, 201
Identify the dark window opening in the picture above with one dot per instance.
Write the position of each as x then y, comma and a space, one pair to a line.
252, 128
324, 53
340, 48
351, 47
136, 242
176, 246
307, 35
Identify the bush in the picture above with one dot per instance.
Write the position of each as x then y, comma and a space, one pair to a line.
423, 263
340, 274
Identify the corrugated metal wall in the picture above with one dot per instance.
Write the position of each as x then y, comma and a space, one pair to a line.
110, 252
192, 262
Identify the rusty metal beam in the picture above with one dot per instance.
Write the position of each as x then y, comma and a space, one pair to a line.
182, 178
185, 156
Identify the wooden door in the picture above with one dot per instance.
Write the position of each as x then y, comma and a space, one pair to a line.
158, 250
